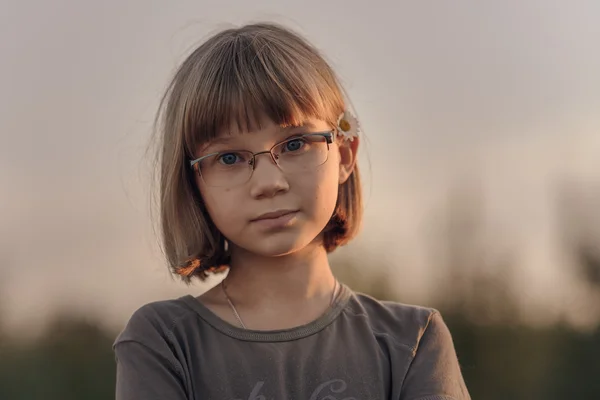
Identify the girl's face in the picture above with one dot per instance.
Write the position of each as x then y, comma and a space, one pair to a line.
281, 208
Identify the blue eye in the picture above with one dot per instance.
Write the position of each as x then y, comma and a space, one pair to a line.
294, 144
228, 158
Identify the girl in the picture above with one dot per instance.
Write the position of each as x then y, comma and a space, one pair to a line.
258, 176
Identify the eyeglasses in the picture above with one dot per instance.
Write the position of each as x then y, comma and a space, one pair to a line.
298, 154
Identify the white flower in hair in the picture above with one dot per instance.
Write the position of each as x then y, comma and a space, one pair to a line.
347, 126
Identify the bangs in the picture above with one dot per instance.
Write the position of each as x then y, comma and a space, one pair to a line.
239, 78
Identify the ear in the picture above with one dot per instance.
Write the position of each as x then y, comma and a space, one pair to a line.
348, 152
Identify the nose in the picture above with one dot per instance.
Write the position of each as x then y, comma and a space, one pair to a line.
267, 179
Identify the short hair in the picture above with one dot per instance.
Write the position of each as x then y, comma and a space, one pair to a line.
235, 77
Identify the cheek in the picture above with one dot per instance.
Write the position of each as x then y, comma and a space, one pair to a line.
221, 206
321, 190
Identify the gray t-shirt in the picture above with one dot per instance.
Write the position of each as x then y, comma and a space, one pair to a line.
360, 349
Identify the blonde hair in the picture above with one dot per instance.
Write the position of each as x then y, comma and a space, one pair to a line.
237, 76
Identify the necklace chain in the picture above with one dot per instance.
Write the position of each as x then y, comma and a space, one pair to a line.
235, 312
237, 315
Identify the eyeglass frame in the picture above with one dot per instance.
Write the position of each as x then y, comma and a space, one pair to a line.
328, 135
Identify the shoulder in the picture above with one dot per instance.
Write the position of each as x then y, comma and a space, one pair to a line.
432, 369
406, 324
155, 320
149, 354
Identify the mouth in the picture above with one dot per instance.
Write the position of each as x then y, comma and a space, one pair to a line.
276, 220
274, 215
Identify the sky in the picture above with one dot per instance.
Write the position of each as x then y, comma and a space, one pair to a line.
502, 98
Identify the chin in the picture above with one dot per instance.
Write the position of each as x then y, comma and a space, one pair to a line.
278, 244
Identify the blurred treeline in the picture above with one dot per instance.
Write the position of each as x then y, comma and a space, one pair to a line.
502, 357
72, 360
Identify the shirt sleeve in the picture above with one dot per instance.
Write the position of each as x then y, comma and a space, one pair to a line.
434, 373
145, 373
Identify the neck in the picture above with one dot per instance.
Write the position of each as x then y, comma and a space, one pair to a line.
257, 281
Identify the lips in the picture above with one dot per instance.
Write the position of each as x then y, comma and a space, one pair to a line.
274, 215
